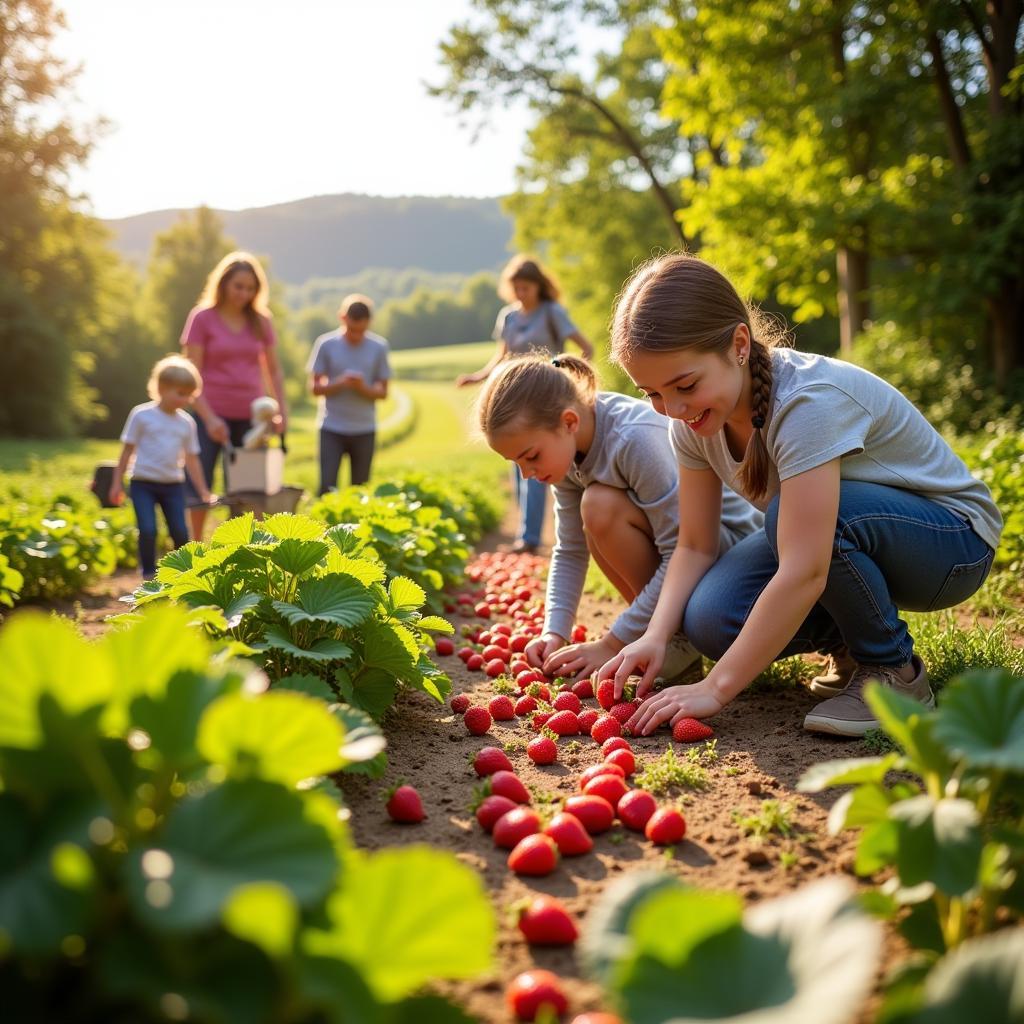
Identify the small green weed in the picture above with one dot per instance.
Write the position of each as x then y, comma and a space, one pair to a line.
670, 770
773, 816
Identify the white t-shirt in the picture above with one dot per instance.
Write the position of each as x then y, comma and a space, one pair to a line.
822, 409
161, 439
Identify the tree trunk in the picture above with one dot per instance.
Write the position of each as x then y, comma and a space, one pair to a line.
852, 266
1006, 321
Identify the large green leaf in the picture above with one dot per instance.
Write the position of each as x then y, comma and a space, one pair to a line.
435, 624
325, 649
939, 842
385, 647
405, 595
425, 908
42, 901
238, 530
808, 957
336, 599
298, 556
911, 725
279, 735
363, 738
846, 772
234, 835
981, 719
363, 569
313, 686
288, 525
371, 689
265, 914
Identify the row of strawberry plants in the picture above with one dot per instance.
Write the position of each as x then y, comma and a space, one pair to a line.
171, 849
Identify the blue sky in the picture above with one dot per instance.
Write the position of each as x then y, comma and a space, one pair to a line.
239, 103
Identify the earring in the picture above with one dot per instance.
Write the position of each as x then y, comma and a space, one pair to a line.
741, 360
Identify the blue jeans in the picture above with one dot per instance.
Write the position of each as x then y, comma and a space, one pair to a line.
146, 495
209, 451
531, 496
892, 550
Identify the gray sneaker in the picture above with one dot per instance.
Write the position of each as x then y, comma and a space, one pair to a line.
681, 659
848, 715
834, 677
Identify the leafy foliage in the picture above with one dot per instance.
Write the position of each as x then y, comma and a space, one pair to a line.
159, 860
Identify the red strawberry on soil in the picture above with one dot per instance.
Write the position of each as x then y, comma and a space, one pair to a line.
666, 826
594, 812
506, 783
579, 635
605, 728
584, 689
525, 705
494, 668
483, 610
501, 708
600, 769
586, 720
612, 787
404, 805
491, 808
540, 719
514, 826
542, 750
494, 652
568, 832
477, 719
475, 662
635, 809
615, 743
444, 646
596, 1018
564, 723
491, 760
534, 855
624, 759
606, 693
544, 921
624, 712
532, 990
459, 703
567, 701
690, 730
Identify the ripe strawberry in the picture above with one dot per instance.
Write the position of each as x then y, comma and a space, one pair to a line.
501, 708
532, 990
635, 809
596, 1018
482, 610
524, 678
404, 805
612, 787
605, 728
515, 825
615, 743
689, 730
525, 705
584, 689
483, 637
502, 629
491, 808
579, 635
459, 703
444, 646
600, 769
568, 832
465, 653
506, 783
492, 652
494, 668
606, 693
594, 812
477, 719
540, 691
564, 723
534, 855
624, 759
586, 720
542, 750
544, 921
491, 760
624, 712
665, 826
475, 662
519, 642
567, 701
540, 719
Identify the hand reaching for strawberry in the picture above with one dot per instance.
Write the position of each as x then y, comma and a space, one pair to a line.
697, 700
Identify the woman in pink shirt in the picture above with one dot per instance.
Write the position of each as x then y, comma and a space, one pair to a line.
231, 340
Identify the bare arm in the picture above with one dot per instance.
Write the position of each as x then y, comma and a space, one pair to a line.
116, 495
808, 509
273, 365
194, 469
500, 352
585, 346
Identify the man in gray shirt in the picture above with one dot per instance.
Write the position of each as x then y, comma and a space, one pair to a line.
349, 370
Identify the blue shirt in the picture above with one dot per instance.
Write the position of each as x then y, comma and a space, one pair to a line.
348, 411
544, 328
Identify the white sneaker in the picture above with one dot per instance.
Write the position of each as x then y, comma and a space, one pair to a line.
680, 658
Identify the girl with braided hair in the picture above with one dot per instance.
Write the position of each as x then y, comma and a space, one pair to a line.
608, 460
867, 509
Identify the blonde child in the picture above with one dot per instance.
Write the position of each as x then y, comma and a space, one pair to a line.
615, 480
161, 438
867, 509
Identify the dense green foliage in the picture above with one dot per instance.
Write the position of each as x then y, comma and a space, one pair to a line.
164, 855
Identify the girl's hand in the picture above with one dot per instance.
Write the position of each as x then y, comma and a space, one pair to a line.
580, 660
698, 700
645, 655
464, 379
280, 423
217, 429
116, 495
540, 649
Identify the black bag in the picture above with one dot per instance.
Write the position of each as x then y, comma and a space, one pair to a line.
102, 478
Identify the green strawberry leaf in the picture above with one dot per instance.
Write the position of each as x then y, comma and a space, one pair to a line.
981, 720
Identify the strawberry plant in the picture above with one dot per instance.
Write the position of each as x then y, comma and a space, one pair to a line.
171, 850
305, 599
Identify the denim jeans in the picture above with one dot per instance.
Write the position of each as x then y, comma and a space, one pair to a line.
146, 495
892, 549
209, 451
531, 496
333, 446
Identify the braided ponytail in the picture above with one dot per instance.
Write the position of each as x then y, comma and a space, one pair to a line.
754, 468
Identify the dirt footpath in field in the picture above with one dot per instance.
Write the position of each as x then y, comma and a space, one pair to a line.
762, 751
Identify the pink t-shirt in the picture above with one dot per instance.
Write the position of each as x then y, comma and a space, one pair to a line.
232, 374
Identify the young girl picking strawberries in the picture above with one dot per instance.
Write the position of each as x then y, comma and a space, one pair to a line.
867, 509
608, 459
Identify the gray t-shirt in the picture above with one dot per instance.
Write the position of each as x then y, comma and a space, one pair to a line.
347, 411
162, 440
822, 409
545, 327
631, 451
